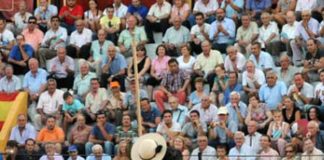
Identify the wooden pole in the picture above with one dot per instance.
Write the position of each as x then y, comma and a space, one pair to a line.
137, 90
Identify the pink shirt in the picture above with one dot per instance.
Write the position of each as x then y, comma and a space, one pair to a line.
33, 38
179, 11
160, 66
270, 155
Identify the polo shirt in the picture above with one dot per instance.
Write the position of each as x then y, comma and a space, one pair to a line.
118, 63
109, 128
272, 96
176, 127
60, 34
189, 131
265, 61
82, 84
209, 63
176, 36
266, 32
126, 37
73, 108
9, 86
34, 37
6, 37
307, 91
141, 10
28, 132
151, 115
303, 5
80, 39
206, 115
195, 30
77, 10
16, 54
50, 104
46, 135
239, 61
246, 34
94, 101
33, 82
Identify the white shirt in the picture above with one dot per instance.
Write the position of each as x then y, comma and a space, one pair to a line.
80, 39
240, 62
121, 11
6, 37
265, 33
195, 30
289, 31
60, 33
21, 21
240, 153
320, 88
303, 5
258, 76
265, 60
187, 66
158, 12
313, 156
253, 142
50, 104
60, 71
176, 127
10, 86
201, 7
208, 154
208, 115
78, 158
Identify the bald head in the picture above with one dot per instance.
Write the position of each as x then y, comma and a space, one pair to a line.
290, 17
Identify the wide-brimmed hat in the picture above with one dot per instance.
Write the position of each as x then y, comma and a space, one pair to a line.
151, 146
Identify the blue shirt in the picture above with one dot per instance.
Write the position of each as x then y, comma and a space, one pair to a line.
232, 114
258, 5
16, 54
230, 11
194, 98
221, 133
34, 82
74, 107
28, 132
265, 61
272, 96
238, 88
104, 157
118, 63
110, 129
179, 115
141, 10
228, 25
151, 115
50, 11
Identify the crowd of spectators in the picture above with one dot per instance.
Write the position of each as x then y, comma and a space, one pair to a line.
231, 79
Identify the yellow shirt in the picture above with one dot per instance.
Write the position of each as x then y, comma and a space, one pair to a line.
110, 23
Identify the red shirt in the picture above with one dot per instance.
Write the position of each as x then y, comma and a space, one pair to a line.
76, 11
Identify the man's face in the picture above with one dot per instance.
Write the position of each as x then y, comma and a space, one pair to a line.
231, 52
205, 102
177, 23
126, 121
199, 20
50, 123
232, 79
22, 121
173, 67
308, 146
101, 118
136, 3
250, 67
284, 63
97, 153
31, 24
79, 26
51, 86
311, 46
9, 72
55, 22
101, 36
265, 19
271, 80
299, 81
110, 12
194, 116
202, 143
220, 14
71, 3
173, 103
222, 117
235, 99
167, 118
81, 121
252, 127
30, 145
306, 16
111, 52
22, 7
33, 65
290, 18
43, 2
239, 140
221, 152
2, 25
131, 22
264, 142
245, 21
69, 100
84, 69
312, 129
20, 40
255, 49
145, 106
205, 48
61, 54
95, 85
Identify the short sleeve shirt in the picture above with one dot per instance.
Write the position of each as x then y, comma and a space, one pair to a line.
110, 129
76, 11
74, 107
151, 115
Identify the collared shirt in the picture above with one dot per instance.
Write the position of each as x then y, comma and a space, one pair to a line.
246, 34
174, 81
109, 128
114, 102
34, 38
272, 96
228, 90
60, 67
266, 32
94, 101
160, 65
258, 6
28, 132
270, 155
195, 30
50, 11
99, 51
201, 7
160, 11
73, 108
141, 10
56, 157
206, 115
192, 132
239, 62
81, 83
6, 37
240, 153
306, 5
176, 36
221, 133
228, 25
114, 22
121, 11
307, 90
232, 114
16, 54
254, 142
77, 10
265, 61
288, 75
9, 86
318, 89
289, 31
258, 76
80, 39
50, 103
21, 20
46, 135
315, 155
93, 157
179, 115
208, 64
229, 9
151, 115
60, 34
175, 127
80, 135
313, 26
118, 63
207, 154
122, 135
126, 37
34, 82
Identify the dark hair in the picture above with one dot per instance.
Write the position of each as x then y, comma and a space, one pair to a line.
199, 80
318, 113
298, 73
256, 43
30, 139
55, 17
157, 49
172, 153
67, 95
245, 14
254, 95
165, 112
3, 19
94, 1
314, 40
186, 45
232, 72
141, 47
145, 99
268, 137
221, 146
50, 117
100, 113
172, 60
32, 18
195, 111
12, 144
199, 14
94, 79
110, 6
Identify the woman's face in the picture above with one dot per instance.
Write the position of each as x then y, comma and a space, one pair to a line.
92, 5
184, 51
253, 101
312, 114
122, 147
161, 51
288, 102
178, 3
178, 144
140, 52
219, 72
289, 152
199, 86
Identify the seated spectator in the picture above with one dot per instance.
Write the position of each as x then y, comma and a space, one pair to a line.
310, 150
51, 133
73, 153
301, 91
96, 100
234, 61
81, 84
137, 9
143, 64
246, 34
252, 139
133, 32
69, 14
271, 93
180, 8
180, 144
116, 101
80, 39
114, 67
196, 95
262, 60
92, 16
157, 18
290, 150
79, 134
168, 128
266, 151
7, 40
54, 38
268, 32
71, 107
194, 128
10, 83
103, 134
11, 150
283, 7
279, 131
221, 152
237, 110
158, 67
255, 8
207, 7
20, 18
175, 36
33, 35
29, 151
23, 131
150, 114
61, 68
120, 11
233, 9
123, 151
174, 82
315, 133
321, 31
319, 90
19, 55
286, 71
222, 31
258, 112
302, 6
203, 151
252, 78
179, 112
240, 149
207, 110
312, 62
97, 153
199, 32
125, 132
218, 85
290, 113
51, 152
43, 13
307, 28
222, 131
111, 24
314, 114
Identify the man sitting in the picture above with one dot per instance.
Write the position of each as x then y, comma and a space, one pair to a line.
9, 83
23, 131
51, 133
